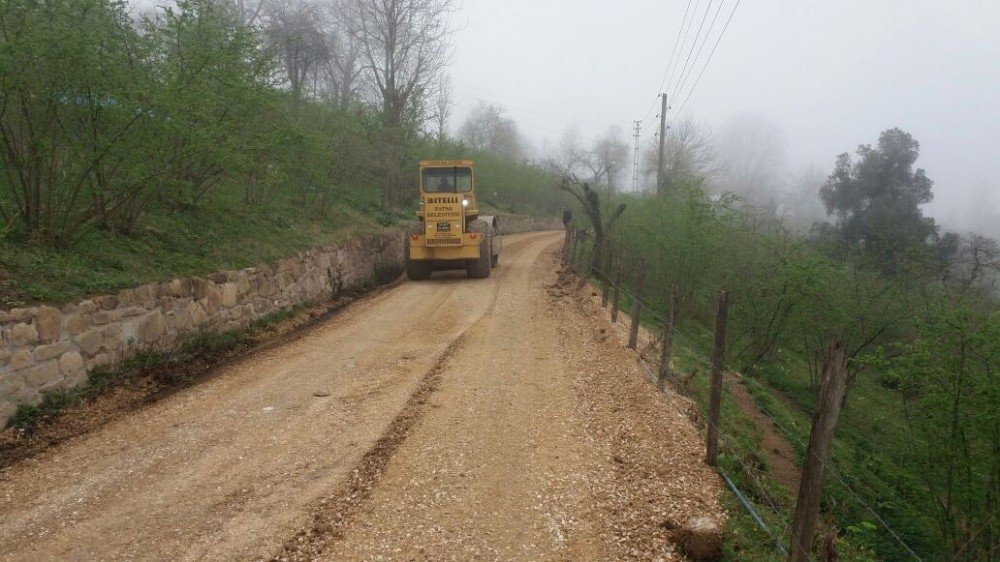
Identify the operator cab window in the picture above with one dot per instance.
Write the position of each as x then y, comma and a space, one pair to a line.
447, 180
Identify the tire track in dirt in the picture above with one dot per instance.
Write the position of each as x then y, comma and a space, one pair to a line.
446, 419
228, 468
539, 442
335, 513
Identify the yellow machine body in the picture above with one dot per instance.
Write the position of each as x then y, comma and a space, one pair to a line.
450, 236
444, 185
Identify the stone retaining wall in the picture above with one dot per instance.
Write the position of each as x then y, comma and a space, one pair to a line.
48, 348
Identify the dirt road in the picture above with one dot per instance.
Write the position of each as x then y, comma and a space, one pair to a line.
453, 418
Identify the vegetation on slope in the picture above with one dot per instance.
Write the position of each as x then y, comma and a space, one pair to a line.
917, 309
177, 143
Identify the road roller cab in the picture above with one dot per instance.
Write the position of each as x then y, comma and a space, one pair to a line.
452, 234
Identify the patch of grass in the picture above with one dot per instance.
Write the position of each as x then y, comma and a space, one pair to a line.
221, 233
869, 454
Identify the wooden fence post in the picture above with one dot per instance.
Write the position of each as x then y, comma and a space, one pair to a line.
618, 291
633, 334
667, 347
715, 398
566, 239
577, 251
606, 274
572, 248
584, 260
831, 394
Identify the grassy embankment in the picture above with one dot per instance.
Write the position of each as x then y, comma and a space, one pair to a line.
221, 234
224, 233
701, 247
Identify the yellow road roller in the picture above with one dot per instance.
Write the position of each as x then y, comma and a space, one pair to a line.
452, 234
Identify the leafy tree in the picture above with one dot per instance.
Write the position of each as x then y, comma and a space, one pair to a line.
688, 157
877, 202
443, 108
294, 30
315, 131
214, 93
405, 47
688, 241
775, 282
78, 139
488, 128
973, 263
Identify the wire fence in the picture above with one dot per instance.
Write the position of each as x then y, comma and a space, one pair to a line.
647, 342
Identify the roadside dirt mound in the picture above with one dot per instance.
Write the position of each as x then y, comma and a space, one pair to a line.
659, 478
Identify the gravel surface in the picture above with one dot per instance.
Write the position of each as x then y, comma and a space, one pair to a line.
448, 419
658, 480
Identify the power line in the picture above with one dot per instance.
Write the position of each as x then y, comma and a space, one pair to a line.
670, 63
635, 161
709, 59
674, 51
687, 33
708, 33
694, 42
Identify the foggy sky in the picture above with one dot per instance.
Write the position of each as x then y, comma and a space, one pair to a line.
831, 74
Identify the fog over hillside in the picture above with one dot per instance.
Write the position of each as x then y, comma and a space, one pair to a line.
828, 75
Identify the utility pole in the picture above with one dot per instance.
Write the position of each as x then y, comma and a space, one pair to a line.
635, 159
663, 140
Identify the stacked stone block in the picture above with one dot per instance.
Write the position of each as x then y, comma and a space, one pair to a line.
45, 348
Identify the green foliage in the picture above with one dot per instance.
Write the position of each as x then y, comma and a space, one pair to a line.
221, 233
877, 203
504, 184
950, 376
79, 137
135, 151
789, 298
102, 119
682, 237
214, 95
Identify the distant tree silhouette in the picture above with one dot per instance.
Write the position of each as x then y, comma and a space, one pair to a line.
877, 201
591, 203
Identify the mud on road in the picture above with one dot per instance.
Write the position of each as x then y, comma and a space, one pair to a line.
446, 419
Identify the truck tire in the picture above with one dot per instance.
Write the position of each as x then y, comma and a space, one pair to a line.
416, 270
480, 269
